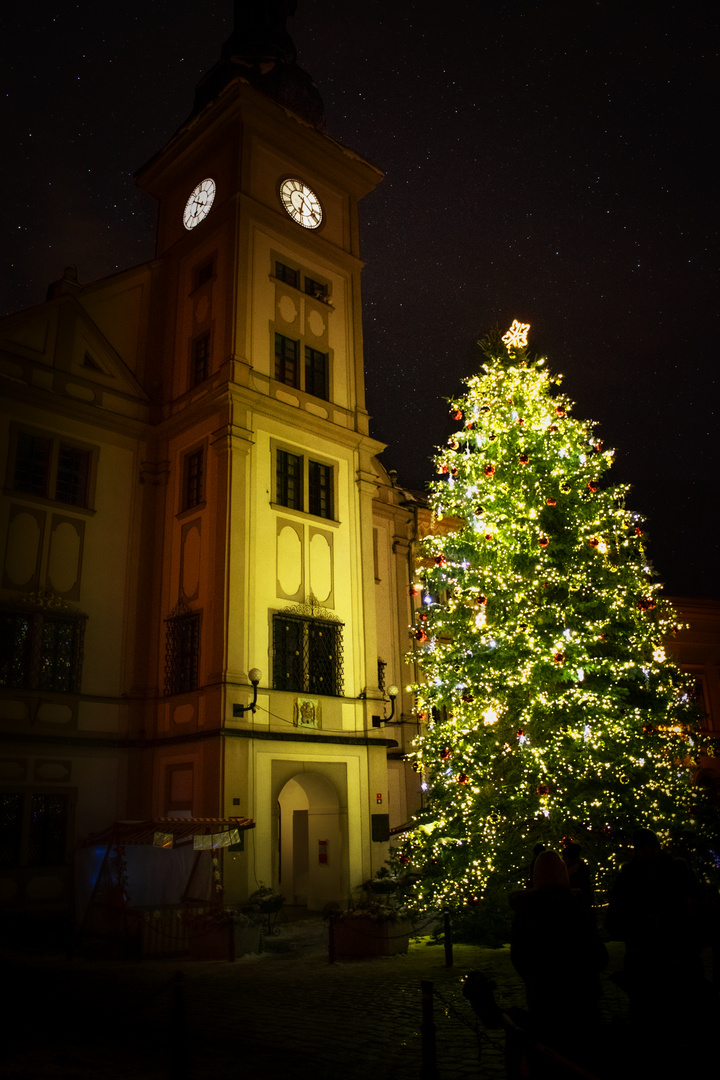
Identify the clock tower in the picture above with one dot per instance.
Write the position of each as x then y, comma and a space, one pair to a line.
258, 573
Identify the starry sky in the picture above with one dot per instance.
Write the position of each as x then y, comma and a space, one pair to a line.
546, 160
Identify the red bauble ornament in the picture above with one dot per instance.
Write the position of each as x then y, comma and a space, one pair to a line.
523, 459
542, 789
592, 486
553, 429
638, 531
521, 421
454, 472
520, 732
481, 600
488, 536
469, 425
457, 414
468, 698
462, 778
440, 560
648, 729
443, 469
413, 591
489, 470
445, 754
551, 501
593, 541
420, 634
543, 541
559, 657
453, 444
559, 410
646, 605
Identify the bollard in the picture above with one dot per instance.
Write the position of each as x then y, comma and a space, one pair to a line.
427, 1032
448, 939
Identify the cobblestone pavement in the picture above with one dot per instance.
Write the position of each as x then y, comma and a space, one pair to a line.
286, 1011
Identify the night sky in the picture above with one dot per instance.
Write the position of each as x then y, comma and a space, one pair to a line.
546, 161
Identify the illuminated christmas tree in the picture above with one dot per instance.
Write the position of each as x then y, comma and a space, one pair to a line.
551, 707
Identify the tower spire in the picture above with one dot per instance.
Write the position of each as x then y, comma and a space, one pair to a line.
261, 51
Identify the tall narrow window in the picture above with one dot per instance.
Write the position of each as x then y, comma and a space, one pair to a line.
286, 361
47, 841
201, 359
193, 478
289, 480
73, 475
11, 819
320, 489
316, 373
32, 464
203, 273
287, 274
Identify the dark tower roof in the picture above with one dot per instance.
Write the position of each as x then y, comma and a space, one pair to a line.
261, 51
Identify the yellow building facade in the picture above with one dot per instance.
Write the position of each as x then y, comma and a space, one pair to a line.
191, 496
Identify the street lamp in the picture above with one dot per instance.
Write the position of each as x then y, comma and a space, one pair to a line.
255, 677
392, 694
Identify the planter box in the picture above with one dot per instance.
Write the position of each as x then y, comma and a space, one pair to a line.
248, 939
362, 939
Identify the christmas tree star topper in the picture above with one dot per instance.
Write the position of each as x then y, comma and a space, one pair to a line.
516, 337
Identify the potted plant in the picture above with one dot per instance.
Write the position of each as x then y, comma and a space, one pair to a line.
374, 924
265, 906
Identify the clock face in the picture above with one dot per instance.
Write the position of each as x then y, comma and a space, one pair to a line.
198, 205
301, 203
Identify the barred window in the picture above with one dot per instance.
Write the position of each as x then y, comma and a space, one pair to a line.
307, 655
34, 828
53, 469
316, 373
286, 361
182, 652
41, 648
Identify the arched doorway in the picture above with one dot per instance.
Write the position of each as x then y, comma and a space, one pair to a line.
312, 853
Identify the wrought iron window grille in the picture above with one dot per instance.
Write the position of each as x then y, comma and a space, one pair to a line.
182, 650
308, 650
41, 644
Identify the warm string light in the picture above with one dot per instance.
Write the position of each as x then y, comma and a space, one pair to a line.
539, 638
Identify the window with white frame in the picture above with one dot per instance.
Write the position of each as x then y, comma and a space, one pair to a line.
51, 467
302, 483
